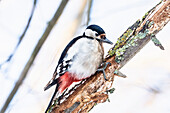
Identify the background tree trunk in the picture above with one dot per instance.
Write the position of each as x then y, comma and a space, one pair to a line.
34, 54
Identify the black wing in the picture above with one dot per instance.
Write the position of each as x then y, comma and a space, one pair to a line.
60, 62
62, 65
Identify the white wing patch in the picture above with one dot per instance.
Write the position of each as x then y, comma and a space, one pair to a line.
63, 67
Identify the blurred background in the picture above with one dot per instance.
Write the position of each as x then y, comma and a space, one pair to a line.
146, 88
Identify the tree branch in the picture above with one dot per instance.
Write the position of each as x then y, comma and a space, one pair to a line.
22, 36
34, 54
94, 89
89, 11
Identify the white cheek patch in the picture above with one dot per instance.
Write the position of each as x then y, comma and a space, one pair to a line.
90, 33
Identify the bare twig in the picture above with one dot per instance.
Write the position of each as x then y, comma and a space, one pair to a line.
91, 91
34, 54
89, 11
22, 36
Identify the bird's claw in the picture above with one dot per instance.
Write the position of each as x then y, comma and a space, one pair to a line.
103, 69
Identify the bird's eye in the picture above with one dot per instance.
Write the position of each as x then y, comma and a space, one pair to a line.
96, 34
102, 37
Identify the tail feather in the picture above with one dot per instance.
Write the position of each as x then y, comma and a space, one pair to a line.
55, 93
63, 82
51, 84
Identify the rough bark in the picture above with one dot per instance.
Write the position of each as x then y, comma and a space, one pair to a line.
94, 90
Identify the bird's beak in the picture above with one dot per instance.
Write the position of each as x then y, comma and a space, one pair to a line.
106, 41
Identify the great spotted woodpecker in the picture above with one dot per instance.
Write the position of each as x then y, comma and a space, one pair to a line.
80, 59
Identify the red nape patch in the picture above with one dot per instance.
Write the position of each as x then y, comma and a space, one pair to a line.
65, 81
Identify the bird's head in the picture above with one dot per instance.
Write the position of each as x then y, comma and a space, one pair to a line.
96, 32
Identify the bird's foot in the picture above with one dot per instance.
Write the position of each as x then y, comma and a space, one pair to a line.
104, 64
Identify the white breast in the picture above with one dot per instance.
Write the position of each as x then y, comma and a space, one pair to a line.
87, 55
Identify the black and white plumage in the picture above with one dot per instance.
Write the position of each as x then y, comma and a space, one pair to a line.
79, 60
